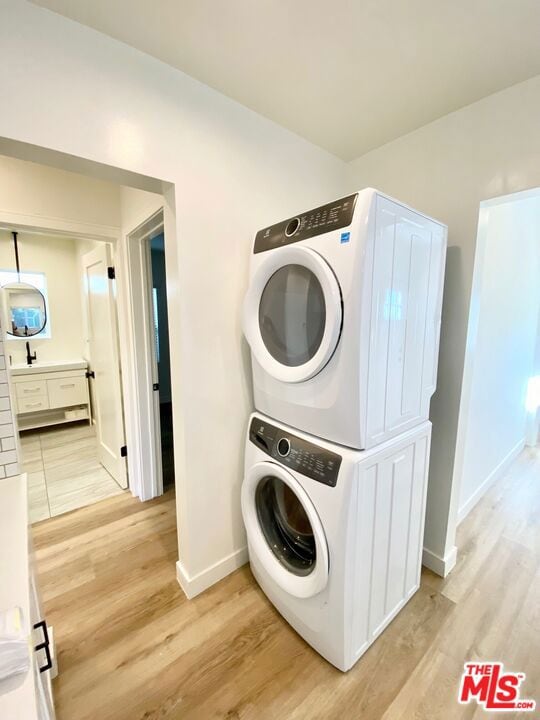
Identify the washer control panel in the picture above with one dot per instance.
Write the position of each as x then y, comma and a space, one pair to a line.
295, 453
333, 216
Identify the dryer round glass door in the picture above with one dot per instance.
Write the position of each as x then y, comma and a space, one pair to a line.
293, 313
284, 530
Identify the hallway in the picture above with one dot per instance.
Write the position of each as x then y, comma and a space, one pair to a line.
130, 646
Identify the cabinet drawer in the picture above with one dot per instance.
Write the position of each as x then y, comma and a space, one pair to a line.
32, 404
31, 388
67, 391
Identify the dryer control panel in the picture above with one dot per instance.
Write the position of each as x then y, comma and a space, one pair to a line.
295, 453
332, 216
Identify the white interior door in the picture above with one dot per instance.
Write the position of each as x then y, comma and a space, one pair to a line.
103, 344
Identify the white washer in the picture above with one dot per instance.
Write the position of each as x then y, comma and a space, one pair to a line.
343, 316
334, 534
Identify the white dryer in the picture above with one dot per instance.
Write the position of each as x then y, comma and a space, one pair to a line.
343, 316
335, 535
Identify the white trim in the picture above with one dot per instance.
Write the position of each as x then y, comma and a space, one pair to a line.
494, 475
197, 584
40, 224
440, 566
141, 345
314, 262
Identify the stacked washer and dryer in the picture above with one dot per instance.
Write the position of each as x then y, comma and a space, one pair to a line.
343, 317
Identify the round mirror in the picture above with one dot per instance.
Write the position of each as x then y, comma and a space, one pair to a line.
25, 313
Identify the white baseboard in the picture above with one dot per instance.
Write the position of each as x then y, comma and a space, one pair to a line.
440, 565
195, 585
494, 475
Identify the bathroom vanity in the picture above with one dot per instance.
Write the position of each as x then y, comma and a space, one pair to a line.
50, 393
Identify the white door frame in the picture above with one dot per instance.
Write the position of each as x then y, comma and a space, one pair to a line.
139, 273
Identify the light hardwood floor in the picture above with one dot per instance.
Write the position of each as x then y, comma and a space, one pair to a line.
132, 647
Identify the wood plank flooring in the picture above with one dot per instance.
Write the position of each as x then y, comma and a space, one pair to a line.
131, 647
64, 472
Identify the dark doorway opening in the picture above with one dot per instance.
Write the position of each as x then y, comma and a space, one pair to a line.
161, 330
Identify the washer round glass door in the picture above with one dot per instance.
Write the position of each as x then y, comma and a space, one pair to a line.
284, 530
293, 313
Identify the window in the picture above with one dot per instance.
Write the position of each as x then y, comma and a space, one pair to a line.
27, 315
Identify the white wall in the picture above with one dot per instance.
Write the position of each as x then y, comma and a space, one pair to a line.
57, 258
36, 196
446, 169
233, 172
501, 343
31, 193
532, 437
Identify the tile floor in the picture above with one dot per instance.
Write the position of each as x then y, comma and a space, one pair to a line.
64, 472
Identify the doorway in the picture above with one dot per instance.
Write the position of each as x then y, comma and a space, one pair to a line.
160, 315
499, 410
65, 375
145, 264
103, 205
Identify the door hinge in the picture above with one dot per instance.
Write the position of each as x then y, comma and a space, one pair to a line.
123, 451
111, 274
155, 386
90, 374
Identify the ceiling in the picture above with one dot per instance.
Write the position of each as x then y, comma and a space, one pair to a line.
348, 75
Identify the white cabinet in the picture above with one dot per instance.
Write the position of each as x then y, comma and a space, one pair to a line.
31, 388
28, 696
51, 395
30, 405
67, 391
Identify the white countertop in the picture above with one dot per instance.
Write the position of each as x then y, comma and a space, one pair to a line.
17, 694
44, 367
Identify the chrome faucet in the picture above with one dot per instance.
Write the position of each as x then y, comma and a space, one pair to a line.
30, 357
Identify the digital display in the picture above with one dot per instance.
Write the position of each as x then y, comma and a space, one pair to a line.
311, 460
333, 216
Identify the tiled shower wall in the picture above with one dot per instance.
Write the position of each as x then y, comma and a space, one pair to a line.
8, 434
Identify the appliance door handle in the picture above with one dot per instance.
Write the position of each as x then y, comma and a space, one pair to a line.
45, 645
